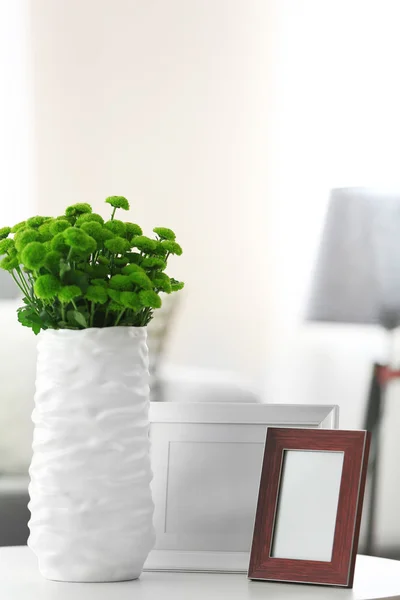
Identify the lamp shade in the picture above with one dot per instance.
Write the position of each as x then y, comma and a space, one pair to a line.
357, 276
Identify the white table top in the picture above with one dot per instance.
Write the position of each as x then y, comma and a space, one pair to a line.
375, 578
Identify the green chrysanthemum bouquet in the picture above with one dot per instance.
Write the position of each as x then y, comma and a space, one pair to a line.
78, 271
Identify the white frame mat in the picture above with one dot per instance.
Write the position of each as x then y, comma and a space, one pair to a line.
206, 460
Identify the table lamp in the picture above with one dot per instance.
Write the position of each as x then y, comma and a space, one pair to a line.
357, 280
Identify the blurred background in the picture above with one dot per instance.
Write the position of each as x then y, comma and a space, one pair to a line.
229, 121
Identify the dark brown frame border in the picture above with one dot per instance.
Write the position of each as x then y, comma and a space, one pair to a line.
340, 571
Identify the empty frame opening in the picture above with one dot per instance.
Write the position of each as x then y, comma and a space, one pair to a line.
307, 505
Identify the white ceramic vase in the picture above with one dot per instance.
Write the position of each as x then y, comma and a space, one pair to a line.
91, 505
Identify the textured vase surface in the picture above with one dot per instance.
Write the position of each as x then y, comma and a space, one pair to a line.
90, 499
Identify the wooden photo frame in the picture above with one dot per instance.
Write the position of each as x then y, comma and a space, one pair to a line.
333, 561
206, 462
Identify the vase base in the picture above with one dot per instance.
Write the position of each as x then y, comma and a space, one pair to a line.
100, 579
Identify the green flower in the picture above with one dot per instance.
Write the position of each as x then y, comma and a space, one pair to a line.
78, 209
79, 240
116, 227
59, 225
4, 232
172, 247
131, 229
94, 229
164, 233
6, 245
9, 263
36, 221
79, 256
88, 218
130, 300
120, 261
159, 250
71, 220
134, 257
117, 245
68, 293
52, 261
33, 256
46, 287
103, 260
150, 299
162, 282
144, 244
132, 268
18, 226
120, 282
153, 262
141, 280
96, 294
58, 243
176, 285
107, 234
118, 202
45, 231
26, 236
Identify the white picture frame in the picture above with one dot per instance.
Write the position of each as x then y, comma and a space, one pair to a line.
206, 461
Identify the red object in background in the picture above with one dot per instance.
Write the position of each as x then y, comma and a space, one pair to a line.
386, 374
340, 570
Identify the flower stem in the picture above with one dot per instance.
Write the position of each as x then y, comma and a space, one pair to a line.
92, 314
26, 290
119, 316
112, 265
145, 317
18, 284
26, 293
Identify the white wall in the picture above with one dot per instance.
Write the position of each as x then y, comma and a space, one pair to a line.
16, 203
229, 120
16, 173
336, 122
165, 103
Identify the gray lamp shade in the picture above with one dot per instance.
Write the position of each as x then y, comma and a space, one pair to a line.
357, 276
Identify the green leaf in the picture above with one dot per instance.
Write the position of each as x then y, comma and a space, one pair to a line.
79, 318
22, 318
44, 319
29, 318
36, 328
38, 320
71, 319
